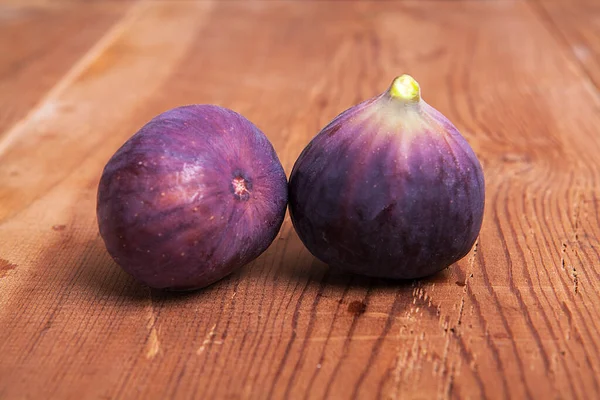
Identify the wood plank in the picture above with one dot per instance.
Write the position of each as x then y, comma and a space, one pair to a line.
578, 27
517, 318
39, 45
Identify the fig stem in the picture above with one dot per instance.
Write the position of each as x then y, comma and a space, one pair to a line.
405, 88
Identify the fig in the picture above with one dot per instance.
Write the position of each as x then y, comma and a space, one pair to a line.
388, 189
195, 194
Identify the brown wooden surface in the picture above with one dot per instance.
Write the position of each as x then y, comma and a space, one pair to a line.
517, 318
578, 28
39, 45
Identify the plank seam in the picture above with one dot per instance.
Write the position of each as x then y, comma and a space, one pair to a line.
13, 133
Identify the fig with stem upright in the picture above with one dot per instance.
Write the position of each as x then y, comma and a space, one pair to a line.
389, 188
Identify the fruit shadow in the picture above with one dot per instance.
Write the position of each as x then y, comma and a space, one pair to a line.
102, 277
340, 279
304, 267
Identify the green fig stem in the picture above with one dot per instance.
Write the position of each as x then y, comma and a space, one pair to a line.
406, 89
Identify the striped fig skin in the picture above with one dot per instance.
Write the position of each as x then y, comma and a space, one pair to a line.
388, 190
195, 194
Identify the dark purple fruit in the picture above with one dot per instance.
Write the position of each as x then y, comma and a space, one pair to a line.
388, 189
195, 194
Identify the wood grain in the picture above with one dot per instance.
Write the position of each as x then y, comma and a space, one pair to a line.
578, 28
516, 318
40, 44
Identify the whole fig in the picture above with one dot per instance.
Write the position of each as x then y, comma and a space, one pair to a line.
195, 194
389, 188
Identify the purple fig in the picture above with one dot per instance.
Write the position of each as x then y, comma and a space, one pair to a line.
389, 189
195, 194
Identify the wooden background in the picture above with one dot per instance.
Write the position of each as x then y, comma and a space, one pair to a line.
517, 318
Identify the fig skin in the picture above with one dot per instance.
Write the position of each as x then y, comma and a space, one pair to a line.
195, 194
388, 189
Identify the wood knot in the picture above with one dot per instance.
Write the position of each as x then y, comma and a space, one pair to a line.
357, 307
6, 267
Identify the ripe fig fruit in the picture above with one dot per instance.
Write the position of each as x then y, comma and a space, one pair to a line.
195, 194
389, 189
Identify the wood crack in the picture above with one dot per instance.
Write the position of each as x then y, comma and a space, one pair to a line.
152, 340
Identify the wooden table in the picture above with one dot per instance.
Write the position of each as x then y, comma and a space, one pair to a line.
517, 318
